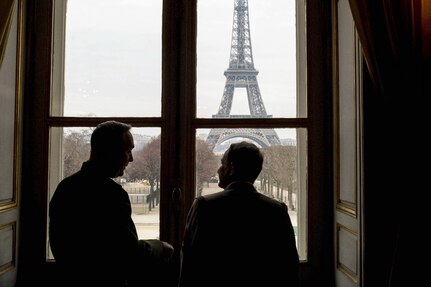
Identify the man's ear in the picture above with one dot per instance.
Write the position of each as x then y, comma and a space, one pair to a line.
232, 169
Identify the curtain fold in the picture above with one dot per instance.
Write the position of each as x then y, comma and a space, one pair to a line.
6, 12
391, 39
362, 15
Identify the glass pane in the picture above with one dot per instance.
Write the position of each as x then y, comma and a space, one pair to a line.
142, 181
283, 176
246, 59
70, 147
112, 58
9, 112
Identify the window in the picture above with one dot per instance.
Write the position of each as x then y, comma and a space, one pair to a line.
208, 77
104, 68
248, 71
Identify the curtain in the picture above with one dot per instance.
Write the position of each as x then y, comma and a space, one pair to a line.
396, 43
6, 12
393, 36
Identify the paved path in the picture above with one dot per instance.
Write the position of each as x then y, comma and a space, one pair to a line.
147, 224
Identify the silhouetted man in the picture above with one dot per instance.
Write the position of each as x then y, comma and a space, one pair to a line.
92, 235
239, 237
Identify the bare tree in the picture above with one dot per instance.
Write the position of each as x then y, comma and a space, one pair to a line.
76, 150
148, 162
279, 170
146, 165
206, 164
135, 170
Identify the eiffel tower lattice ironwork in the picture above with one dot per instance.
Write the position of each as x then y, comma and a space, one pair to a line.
242, 74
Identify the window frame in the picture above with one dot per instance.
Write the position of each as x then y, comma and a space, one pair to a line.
178, 119
189, 122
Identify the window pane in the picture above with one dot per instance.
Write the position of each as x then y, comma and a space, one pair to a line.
142, 181
283, 176
70, 147
112, 58
9, 112
246, 62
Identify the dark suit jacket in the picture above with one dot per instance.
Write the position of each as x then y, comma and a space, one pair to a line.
92, 235
239, 237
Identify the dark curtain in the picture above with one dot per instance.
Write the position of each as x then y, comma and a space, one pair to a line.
395, 38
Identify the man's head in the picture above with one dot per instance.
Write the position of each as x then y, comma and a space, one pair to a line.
111, 147
241, 162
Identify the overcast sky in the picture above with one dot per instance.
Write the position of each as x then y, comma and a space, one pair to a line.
113, 56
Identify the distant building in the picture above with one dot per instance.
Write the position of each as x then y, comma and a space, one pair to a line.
288, 142
141, 140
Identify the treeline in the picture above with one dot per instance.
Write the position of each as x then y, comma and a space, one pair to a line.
277, 177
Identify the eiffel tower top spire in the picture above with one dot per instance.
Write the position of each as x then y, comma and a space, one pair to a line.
241, 56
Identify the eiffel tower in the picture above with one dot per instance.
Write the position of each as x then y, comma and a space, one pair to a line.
242, 74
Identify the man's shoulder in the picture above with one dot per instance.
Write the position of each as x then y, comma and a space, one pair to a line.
214, 196
82, 181
272, 202
69, 181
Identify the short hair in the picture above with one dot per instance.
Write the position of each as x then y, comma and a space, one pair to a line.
107, 137
247, 158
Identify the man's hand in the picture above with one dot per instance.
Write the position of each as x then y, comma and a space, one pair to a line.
168, 250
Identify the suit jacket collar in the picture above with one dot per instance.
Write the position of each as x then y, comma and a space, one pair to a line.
94, 169
243, 186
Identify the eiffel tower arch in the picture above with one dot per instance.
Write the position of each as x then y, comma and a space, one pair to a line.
242, 74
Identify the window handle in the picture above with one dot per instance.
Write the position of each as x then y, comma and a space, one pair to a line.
176, 194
